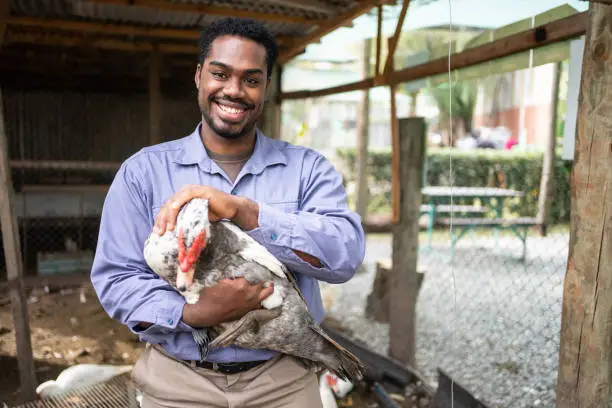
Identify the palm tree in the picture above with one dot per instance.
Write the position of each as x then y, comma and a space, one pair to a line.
456, 101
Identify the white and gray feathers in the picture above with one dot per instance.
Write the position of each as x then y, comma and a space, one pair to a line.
284, 324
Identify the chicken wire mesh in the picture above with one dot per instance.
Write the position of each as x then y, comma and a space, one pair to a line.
485, 315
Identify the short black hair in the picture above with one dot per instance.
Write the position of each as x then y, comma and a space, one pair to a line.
241, 27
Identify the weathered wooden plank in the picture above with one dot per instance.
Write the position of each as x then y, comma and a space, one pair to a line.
585, 355
395, 38
64, 165
326, 28
14, 270
5, 11
105, 28
547, 182
395, 157
363, 133
550, 33
155, 98
211, 10
404, 279
270, 121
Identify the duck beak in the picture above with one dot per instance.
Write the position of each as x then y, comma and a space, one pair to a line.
187, 259
184, 279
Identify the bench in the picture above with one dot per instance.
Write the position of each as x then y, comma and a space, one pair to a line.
519, 226
383, 224
461, 211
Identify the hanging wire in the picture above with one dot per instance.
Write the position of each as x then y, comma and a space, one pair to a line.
450, 169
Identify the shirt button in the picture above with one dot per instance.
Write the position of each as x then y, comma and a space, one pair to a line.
233, 192
273, 236
170, 321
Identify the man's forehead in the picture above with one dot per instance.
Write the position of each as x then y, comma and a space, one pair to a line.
238, 53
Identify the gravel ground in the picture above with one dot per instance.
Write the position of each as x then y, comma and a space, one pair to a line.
495, 331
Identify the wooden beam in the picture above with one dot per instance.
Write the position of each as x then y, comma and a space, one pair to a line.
395, 157
378, 39
363, 132
64, 165
394, 40
14, 271
203, 9
559, 30
270, 121
310, 5
326, 28
585, 352
404, 278
354, 86
5, 11
155, 98
109, 44
94, 27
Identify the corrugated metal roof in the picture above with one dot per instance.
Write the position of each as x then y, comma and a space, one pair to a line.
62, 21
153, 17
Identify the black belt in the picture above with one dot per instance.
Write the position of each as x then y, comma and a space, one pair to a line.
229, 368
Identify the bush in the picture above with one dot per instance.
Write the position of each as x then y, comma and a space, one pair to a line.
479, 168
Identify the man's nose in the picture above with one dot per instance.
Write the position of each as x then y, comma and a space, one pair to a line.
234, 88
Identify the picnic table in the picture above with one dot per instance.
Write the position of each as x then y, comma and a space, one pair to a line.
469, 217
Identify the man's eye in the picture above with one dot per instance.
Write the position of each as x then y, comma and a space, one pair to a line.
219, 75
251, 81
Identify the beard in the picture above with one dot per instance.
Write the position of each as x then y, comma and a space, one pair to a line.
230, 132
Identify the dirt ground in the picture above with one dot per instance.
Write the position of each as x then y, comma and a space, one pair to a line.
70, 327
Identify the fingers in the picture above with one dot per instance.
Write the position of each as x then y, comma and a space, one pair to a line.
166, 218
266, 291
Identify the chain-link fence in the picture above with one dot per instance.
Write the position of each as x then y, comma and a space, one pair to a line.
485, 315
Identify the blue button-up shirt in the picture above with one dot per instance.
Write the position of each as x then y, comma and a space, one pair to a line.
302, 205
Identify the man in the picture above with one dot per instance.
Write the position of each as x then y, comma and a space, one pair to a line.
288, 198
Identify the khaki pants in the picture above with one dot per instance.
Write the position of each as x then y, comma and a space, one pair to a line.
282, 382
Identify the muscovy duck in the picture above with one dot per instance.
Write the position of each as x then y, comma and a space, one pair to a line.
198, 253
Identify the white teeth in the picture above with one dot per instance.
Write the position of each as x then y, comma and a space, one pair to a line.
230, 109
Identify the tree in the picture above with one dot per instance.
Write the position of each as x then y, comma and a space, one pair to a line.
457, 105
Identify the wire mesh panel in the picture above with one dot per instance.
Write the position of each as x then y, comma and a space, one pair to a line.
489, 305
118, 392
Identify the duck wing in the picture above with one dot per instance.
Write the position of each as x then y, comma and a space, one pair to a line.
245, 246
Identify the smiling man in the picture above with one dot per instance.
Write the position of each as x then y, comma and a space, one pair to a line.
288, 198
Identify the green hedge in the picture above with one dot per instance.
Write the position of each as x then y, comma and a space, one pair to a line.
484, 167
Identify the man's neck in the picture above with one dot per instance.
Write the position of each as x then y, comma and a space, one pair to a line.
230, 147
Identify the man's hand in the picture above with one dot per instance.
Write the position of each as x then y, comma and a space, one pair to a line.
240, 210
228, 300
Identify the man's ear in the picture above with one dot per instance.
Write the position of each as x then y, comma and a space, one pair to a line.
198, 74
267, 94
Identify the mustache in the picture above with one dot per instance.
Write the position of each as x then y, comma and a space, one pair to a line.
244, 104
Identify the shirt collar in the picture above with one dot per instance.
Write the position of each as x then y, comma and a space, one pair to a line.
266, 153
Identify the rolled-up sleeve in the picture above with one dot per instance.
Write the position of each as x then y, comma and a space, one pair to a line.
127, 288
323, 226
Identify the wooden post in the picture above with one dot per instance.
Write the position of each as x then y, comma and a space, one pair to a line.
12, 252
14, 271
363, 130
378, 40
155, 100
270, 121
395, 157
404, 286
585, 355
547, 182
5, 11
